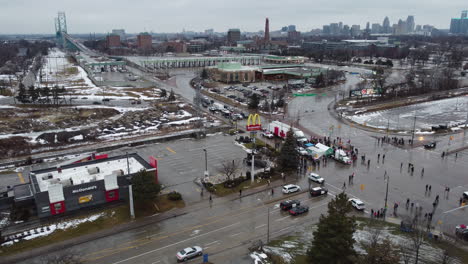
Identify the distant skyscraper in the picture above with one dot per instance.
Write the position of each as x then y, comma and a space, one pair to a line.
386, 25
209, 31
376, 28
334, 29
460, 25
326, 30
340, 25
292, 28
410, 24
267, 30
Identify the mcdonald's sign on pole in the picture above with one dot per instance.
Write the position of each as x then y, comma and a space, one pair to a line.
254, 123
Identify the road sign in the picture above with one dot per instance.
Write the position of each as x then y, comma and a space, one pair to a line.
254, 123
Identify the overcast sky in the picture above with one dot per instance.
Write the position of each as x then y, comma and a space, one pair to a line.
101, 16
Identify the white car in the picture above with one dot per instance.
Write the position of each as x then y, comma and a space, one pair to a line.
316, 178
188, 253
358, 204
290, 188
267, 134
302, 151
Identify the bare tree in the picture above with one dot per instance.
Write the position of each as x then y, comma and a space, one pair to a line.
380, 250
444, 258
229, 168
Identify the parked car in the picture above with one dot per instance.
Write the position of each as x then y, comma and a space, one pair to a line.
316, 178
465, 195
232, 96
430, 145
358, 204
291, 188
317, 191
302, 151
288, 204
188, 253
267, 134
257, 163
462, 232
212, 109
298, 210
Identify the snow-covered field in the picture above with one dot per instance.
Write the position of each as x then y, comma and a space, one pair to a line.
47, 230
451, 112
58, 70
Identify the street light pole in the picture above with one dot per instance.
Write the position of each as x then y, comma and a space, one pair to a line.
386, 194
414, 128
206, 162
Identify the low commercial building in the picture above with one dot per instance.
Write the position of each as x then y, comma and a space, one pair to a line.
284, 59
58, 190
229, 72
113, 41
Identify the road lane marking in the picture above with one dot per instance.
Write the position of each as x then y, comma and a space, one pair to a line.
171, 150
156, 262
281, 219
173, 244
455, 209
260, 226
235, 234
142, 241
21, 178
211, 243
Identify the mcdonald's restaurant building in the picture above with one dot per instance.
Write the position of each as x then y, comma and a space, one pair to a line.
59, 190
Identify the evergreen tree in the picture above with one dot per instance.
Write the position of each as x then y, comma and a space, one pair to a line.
22, 96
333, 240
287, 159
171, 96
254, 101
319, 81
163, 93
33, 93
145, 187
204, 74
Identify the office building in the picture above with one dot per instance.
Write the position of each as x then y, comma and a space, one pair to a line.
144, 41
459, 25
334, 29
410, 24
120, 32
292, 28
376, 28
386, 26
233, 35
113, 41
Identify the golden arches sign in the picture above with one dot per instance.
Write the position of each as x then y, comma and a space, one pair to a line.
254, 123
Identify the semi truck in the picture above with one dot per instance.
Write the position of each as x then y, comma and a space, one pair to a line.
280, 130
341, 156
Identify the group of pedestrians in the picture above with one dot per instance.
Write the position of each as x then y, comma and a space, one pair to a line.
378, 213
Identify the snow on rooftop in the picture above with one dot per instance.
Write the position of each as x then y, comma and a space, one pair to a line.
80, 174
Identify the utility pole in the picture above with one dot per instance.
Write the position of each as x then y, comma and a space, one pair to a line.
414, 128
130, 191
386, 194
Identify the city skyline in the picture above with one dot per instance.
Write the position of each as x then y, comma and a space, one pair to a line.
178, 15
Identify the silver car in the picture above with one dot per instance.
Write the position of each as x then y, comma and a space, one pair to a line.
188, 253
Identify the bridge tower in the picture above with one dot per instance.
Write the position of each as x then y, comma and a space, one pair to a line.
61, 29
